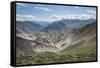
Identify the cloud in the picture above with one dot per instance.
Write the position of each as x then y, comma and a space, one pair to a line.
76, 7
91, 11
73, 16
43, 9
24, 17
55, 17
21, 4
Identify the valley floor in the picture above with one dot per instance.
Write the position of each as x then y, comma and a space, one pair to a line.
81, 54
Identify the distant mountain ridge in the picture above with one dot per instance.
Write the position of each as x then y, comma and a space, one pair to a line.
67, 25
27, 26
55, 26
61, 25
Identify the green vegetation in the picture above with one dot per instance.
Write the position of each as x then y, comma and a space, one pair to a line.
83, 53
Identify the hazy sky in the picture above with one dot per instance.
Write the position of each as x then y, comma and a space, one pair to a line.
41, 12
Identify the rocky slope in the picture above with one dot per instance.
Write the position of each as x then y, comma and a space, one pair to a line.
55, 41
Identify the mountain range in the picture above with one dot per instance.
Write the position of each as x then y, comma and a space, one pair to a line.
61, 25
55, 42
27, 26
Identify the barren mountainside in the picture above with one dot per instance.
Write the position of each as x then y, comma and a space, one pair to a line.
34, 43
